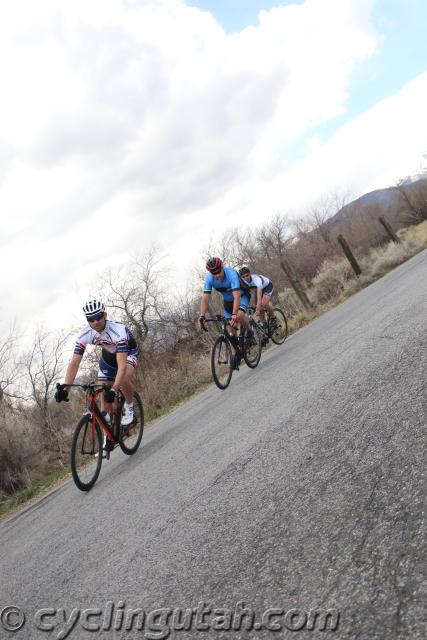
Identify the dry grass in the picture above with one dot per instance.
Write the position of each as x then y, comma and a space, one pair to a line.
171, 380
414, 238
336, 280
331, 281
18, 451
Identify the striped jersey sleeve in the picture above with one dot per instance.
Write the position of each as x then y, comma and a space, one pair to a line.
82, 341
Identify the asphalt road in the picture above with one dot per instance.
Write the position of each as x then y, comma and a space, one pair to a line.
299, 488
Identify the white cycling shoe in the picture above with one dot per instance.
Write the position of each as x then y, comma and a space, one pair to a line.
127, 417
105, 450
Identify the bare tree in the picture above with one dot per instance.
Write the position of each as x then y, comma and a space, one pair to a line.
224, 248
44, 365
314, 224
275, 237
10, 371
138, 292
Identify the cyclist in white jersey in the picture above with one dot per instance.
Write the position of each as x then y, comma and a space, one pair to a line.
118, 360
264, 291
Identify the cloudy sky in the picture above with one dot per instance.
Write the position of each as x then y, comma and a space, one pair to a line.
124, 122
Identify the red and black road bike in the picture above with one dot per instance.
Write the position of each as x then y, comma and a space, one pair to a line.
95, 436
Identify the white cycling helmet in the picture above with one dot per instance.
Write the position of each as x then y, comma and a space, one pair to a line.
93, 307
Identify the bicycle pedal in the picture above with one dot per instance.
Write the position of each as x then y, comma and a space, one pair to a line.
109, 447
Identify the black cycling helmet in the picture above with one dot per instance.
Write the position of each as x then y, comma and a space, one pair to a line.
214, 265
244, 271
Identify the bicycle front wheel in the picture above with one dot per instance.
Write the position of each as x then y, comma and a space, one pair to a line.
279, 330
252, 348
131, 436
86, 453
221, 362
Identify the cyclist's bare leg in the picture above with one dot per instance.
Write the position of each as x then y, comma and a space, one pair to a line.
242, 319
232, 331
128, 388
128, 385
106, 406
266, 306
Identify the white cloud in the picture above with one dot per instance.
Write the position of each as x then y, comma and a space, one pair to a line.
127, 122
369, 152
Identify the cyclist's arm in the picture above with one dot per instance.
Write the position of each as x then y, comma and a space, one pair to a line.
204, 303
72, 369
121, 370
236, 302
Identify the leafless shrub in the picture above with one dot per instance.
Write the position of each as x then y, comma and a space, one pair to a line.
413, 196
44, 365
18, 448
331, 280
172, 379
289, 302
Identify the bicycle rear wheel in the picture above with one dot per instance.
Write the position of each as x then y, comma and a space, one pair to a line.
278, 333
252, 348
86, 454
221, 362
131, 436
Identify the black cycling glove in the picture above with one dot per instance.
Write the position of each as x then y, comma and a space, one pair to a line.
61, 393
109, 394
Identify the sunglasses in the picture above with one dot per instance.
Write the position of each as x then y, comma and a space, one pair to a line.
96, 317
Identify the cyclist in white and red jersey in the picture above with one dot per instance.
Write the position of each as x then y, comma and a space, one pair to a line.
264, 291
118, 360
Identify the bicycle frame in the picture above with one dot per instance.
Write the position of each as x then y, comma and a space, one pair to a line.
227, 335
259, 325
92, 391
97, 417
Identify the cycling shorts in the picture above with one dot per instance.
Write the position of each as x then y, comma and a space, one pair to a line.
268, 291
108, 364
228, 306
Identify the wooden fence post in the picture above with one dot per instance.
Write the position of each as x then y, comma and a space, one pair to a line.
349, 255
389, 229
296, 284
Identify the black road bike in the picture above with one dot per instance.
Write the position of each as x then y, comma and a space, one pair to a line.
228, 350
276, 329
87, 444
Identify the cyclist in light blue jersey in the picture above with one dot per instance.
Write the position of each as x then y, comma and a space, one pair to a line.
232, 288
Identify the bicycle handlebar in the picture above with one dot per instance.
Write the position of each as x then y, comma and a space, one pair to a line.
85, 387
218, 318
